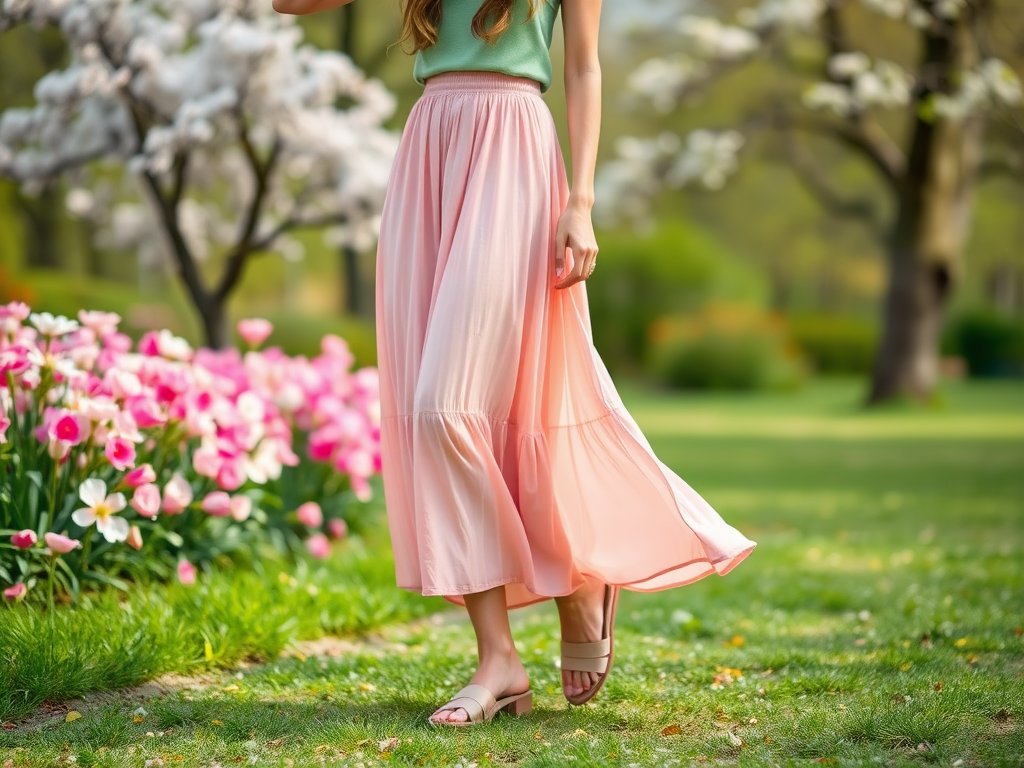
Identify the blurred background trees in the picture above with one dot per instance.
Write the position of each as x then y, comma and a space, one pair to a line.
919, 92
756, 284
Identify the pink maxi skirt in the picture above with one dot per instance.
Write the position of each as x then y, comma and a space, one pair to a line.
507, 454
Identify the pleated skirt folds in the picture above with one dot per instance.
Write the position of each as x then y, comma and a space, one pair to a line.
507, 454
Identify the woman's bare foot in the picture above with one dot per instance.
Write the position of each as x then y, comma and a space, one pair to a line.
582, 618
502, 674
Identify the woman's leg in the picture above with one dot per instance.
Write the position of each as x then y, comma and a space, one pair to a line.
500, 670
582, 618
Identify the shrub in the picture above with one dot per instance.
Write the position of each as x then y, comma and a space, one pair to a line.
638, 279
834, 344
117, 462
992, 344
724, 346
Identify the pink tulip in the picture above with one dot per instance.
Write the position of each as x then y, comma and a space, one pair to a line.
337, 528
147, 412
217, 503
177, 495
5, 423
318, 546
60, 544
186, 572
207, 461
17, 592
231, 475
68, 428
361, 488
310, 514
120, 452
148, 344
24, 539
15, 310
141, 475
126, 427
146, 500
101, 323
241, 507
255, 331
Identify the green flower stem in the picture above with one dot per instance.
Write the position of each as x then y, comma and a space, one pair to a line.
86, 546
53, 568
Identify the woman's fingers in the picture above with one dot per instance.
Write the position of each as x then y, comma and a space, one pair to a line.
583, 258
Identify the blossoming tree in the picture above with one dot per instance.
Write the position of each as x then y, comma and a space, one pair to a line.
945, 138
232, 133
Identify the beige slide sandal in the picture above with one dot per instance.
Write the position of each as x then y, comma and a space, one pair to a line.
481, 705
596, 656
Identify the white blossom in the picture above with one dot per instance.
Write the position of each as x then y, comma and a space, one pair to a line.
200, 71
659, 79
829, 97
784, 14
709, 38
844, 66
709, 157
892, 8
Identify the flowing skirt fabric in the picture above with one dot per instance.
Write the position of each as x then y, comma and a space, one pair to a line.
507, 455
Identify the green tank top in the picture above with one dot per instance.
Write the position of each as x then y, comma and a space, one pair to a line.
522, 49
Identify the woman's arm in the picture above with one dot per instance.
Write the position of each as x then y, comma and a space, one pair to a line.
580, 22
305, 7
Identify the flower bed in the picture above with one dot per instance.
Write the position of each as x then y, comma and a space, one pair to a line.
119, 461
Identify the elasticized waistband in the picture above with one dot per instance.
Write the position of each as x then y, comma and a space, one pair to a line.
480, 80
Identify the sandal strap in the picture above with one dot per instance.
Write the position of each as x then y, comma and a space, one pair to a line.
593, 650
477, 701
585, 664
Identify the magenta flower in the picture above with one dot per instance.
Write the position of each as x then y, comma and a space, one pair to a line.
146, 500
147, 412
318, 546
60, 544
141, 475
120, 452
5, 424
17, 592
177, 495
310, 514
231, 475
217, 503
337, 528
24, 539
241, 507
186, 572
68, 428
255, 331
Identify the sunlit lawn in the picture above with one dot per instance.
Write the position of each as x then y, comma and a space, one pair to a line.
878, 622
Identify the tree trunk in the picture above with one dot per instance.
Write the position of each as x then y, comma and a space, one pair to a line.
214, 316
935, 210
42, 226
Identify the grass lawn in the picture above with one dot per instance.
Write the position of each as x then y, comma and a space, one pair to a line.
878, 623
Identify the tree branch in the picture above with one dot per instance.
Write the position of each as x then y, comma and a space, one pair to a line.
827, 195
871, 144
261, 172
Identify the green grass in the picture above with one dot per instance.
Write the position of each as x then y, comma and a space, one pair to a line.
877, 623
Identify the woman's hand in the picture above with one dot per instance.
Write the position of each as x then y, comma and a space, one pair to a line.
575, 230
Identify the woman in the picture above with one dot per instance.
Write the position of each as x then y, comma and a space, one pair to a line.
512, 471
